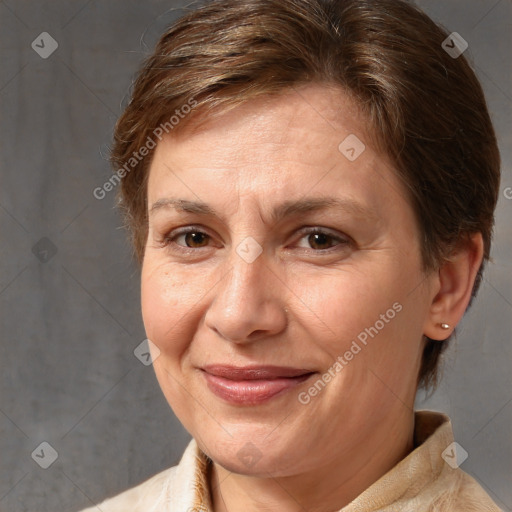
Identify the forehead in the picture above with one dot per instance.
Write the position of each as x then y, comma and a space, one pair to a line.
296, 115
309, 139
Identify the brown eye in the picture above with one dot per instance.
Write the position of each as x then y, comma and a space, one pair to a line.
186, 239
320, 241
194, 239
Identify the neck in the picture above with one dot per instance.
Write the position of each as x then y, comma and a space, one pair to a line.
322, 489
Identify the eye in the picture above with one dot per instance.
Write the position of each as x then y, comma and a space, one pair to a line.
191, 238
321, 240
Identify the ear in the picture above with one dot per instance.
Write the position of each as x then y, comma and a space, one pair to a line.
455, 281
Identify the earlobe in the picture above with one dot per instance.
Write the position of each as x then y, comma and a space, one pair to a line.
456, 277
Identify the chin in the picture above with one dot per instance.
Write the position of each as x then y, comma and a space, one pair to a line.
252, 455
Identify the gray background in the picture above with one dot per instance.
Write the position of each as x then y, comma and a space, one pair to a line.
69, 307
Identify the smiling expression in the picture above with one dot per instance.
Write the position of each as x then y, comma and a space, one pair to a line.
268, 253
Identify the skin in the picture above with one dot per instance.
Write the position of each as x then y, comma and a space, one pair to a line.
300, 304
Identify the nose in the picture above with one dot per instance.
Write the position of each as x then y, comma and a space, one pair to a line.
248, 302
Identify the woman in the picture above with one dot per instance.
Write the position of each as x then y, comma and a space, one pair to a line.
311, 189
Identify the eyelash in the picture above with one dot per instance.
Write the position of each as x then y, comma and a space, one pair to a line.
171, 237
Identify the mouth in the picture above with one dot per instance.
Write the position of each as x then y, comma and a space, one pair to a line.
252, 385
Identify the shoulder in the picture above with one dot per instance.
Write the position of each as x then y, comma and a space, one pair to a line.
448, 488
172, 489
463, 494
429, 479
140, 498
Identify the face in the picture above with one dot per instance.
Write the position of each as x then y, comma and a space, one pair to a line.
282, 284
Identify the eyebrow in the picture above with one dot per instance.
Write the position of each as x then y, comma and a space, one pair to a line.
284, 210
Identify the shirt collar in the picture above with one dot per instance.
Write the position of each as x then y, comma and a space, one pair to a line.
405, 483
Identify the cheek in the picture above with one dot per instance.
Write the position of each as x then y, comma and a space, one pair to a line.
164, 300
370, 316
345, 302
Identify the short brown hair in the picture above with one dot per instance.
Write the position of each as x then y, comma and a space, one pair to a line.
425, 109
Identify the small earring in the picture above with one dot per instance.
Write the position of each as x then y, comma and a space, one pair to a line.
445, 326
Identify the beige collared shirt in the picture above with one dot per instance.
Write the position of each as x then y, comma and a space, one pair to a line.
423, 481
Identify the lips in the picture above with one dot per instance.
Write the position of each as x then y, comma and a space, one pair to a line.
254, 372
252, 385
